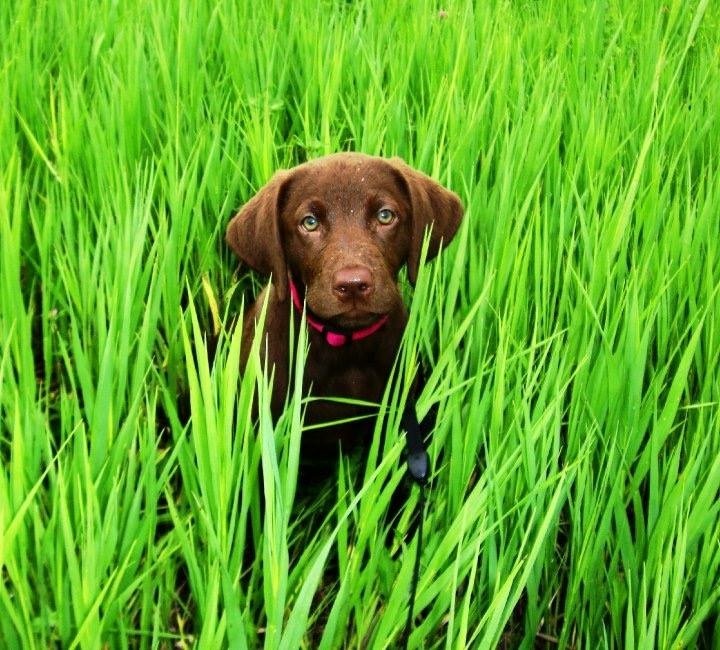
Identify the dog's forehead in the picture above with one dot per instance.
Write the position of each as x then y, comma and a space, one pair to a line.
345, 179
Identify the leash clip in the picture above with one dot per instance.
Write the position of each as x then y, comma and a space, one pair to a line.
418, 461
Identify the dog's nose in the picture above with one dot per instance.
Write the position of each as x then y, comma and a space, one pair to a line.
353, 282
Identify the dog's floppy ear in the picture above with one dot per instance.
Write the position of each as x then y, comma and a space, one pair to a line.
433, 206
254, 233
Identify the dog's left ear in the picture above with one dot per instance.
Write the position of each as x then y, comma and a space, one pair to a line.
254, 233
433, 206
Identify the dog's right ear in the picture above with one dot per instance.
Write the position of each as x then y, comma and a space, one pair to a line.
254, 233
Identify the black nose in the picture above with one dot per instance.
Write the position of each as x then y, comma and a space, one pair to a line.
352, 282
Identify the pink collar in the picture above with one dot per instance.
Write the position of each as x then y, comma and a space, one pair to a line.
334, 338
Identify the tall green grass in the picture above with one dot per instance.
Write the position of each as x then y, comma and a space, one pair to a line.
572, 332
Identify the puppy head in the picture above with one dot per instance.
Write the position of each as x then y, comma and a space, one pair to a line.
342, 226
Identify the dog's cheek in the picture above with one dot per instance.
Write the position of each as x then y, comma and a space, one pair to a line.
396, 248
303, 261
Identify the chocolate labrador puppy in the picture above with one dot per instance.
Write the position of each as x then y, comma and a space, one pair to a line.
333, 233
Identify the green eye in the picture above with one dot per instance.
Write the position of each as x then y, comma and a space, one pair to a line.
385, 216
310, 222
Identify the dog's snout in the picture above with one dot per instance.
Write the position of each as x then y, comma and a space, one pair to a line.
353, 282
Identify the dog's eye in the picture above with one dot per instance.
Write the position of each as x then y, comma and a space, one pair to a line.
310, 222
385, 216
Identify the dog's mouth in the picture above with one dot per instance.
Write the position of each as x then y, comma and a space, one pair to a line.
353, 319
345, 316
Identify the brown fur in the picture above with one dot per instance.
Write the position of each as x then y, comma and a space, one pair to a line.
348, 267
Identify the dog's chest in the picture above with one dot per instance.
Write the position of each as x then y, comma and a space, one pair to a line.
355, 374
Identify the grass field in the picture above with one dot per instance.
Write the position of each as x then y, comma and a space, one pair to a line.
572, 330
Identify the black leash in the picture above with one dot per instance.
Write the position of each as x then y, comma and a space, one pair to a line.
418, 462
418, 465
